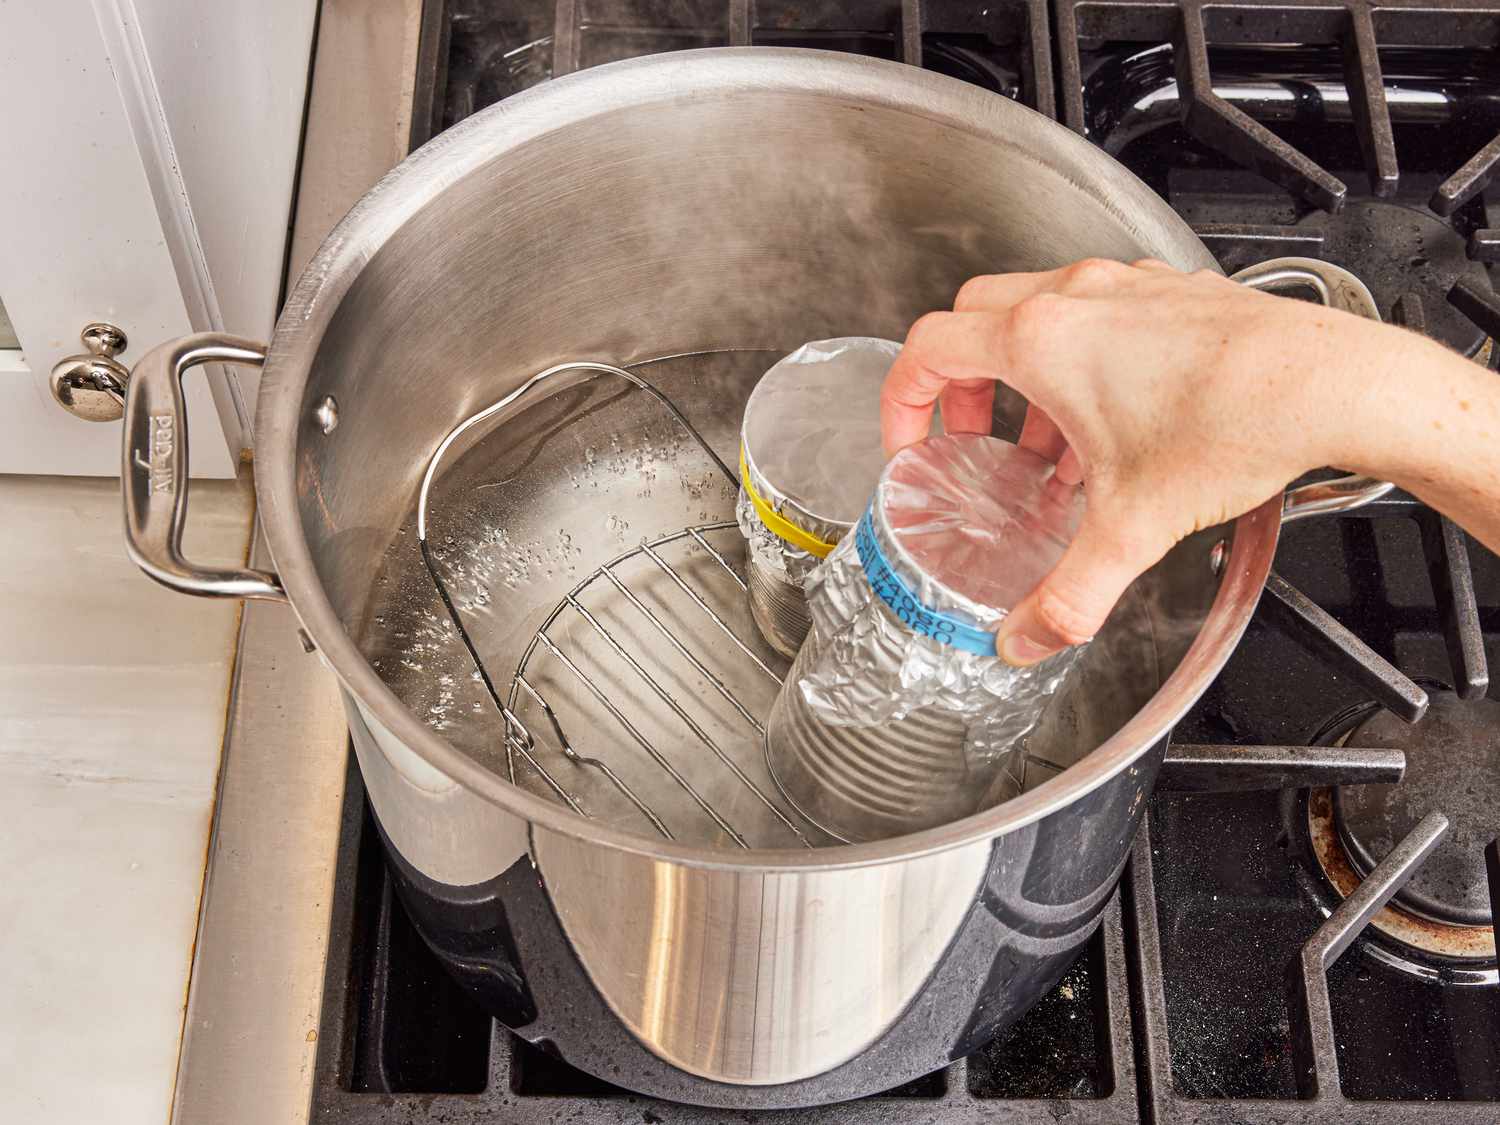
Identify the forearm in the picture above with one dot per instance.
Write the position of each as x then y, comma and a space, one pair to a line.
1429, 421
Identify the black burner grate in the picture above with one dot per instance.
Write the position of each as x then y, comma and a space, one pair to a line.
1359, 29
1307, 1069
1446, 555
476, 52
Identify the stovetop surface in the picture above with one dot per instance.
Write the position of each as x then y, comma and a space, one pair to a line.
1361, 134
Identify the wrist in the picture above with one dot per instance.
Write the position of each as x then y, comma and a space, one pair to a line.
1329, 374
1425, 419
1371, 397
1409, 421
1378, 414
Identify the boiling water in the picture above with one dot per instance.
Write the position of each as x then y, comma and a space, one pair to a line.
563, 485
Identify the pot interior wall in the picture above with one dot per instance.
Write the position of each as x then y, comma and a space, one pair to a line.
749, 221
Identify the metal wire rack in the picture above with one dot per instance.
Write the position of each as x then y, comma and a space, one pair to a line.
612, 580
704, 788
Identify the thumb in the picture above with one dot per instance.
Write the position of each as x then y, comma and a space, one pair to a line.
1070, 605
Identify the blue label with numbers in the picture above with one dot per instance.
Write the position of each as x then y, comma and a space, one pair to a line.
891, 589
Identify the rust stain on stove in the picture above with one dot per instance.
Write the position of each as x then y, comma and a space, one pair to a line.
1468, 942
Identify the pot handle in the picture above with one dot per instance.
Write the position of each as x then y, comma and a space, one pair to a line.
1337, 288
154, 470
1325, 497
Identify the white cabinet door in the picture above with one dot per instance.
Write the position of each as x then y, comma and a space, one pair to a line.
148, 150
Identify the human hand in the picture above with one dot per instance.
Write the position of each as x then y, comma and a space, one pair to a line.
1179, 400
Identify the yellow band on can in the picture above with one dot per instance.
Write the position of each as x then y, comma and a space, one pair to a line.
778, 524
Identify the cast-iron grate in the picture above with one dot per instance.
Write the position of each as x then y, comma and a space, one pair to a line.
476, 52
1320, 1093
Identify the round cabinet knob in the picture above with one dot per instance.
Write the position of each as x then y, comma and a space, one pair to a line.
92, 386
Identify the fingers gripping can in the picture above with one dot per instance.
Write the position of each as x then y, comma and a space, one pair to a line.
897, 715
810, 455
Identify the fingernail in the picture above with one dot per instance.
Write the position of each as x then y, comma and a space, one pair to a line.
1022, 652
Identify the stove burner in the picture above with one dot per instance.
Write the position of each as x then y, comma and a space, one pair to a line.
1452, 755
1420, 947
1398, 249
1453, 764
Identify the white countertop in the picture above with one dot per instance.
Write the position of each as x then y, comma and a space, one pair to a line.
112, 702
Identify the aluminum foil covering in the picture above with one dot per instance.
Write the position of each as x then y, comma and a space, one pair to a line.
768, 550
967, 525
811, 446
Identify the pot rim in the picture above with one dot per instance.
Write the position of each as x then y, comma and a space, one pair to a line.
484, 137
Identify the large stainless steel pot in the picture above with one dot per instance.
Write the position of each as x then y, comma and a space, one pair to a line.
684, 204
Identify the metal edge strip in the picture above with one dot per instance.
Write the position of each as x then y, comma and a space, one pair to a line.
251, 1027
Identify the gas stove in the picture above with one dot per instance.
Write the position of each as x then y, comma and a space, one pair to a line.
1299, 937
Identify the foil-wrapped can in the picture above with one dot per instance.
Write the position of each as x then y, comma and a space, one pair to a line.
810, 455
897, 714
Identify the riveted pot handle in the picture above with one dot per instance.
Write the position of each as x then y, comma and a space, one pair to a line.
1338, 289
1328, 497
154, 473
